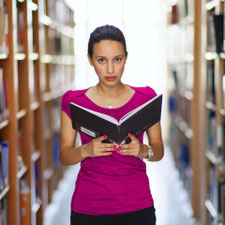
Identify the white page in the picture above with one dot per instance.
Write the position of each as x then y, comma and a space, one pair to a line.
131, 113
101, 115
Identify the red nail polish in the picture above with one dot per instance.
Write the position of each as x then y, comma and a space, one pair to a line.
114, 146
129, 134
105, 136
118, 151
119, 147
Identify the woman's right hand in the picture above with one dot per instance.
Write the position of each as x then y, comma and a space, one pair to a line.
96, 148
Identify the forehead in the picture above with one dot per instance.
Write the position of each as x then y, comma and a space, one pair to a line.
107, 48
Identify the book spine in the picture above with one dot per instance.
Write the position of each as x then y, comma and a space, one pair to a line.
5, 161
1, 26
6, 29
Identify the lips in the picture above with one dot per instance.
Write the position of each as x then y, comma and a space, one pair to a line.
110, 78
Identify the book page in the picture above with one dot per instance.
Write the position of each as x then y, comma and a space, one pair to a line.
131, 113
101, 115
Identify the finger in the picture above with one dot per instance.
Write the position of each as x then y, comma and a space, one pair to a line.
132, 137
105, 154
101, 138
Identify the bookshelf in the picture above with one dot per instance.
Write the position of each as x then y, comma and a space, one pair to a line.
36, 68
197, 123
213, 67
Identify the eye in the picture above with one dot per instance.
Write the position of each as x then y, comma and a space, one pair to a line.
119, 59
101, 60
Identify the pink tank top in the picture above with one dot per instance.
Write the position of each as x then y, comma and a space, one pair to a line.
110, 184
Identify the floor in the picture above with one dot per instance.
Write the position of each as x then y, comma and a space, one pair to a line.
171, 201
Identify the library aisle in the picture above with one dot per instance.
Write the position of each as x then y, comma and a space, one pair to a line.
171, 201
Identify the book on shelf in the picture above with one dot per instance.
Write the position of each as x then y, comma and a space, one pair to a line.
4, 42
3, 211
223, 89
218, 24
96, 124
20, 30
4, 110
25, 203
211, 37
212, 132
211, 89
5, 162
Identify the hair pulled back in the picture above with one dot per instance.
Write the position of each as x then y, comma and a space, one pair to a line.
106, 32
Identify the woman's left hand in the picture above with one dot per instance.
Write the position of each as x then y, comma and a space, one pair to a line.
134, 148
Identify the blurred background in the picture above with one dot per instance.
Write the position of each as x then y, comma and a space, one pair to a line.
174, 46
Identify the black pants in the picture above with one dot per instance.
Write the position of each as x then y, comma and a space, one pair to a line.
141, 217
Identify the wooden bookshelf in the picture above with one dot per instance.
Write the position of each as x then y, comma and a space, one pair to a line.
38, 67
206, 121
215, 137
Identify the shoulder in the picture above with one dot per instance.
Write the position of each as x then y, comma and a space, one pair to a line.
146, 91
70, 96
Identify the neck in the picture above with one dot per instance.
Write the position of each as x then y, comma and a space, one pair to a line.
109, 91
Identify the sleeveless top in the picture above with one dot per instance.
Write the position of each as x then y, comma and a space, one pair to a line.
110, 184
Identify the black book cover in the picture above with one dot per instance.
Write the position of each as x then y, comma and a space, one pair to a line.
96, 124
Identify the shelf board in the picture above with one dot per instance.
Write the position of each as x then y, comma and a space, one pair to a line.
33, 56
47, 96
211, 55
35, 156
210, 105
46, 20
211, 5
4, 124
63, 60
4, 192
34, 105
183, 126
222, 112
188, 20
32, 6
20, 1
46, 58
48, 173
211, 209
20, 56
36, 206
21, 114
213, 158
21, 172
3, 56
186, 94
222, 55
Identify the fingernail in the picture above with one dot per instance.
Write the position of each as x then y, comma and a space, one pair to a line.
110, 153
118, 151
119, 147
105, 136
114, 146
129, 134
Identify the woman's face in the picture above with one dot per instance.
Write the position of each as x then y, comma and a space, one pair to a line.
108, 60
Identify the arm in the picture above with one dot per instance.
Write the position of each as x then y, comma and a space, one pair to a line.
69, 155
141, 150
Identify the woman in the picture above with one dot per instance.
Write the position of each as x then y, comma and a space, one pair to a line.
112, 187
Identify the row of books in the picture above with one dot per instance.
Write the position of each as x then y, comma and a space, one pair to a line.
61, 75
210, 85
180, 44
4, 109
4, 164
59, 11
4, 29
60, 44
180, 10
215, 32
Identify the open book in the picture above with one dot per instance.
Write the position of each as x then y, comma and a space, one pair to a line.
95, 124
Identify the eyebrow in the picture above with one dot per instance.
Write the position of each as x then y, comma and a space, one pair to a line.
106, 57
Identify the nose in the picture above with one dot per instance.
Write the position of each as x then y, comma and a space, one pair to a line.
110, 67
